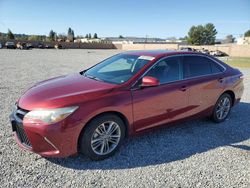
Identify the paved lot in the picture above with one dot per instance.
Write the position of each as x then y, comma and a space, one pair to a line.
194, 154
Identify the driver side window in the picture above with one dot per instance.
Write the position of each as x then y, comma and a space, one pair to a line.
167, 70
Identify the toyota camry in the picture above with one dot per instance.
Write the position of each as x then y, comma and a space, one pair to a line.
93, 111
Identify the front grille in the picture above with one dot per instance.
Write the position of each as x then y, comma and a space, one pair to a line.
17, 125
22, 136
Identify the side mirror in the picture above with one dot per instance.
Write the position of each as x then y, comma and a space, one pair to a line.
149, 81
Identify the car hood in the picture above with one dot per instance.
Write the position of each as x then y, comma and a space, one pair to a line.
63, 91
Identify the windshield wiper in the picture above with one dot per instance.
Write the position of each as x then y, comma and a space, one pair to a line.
92, 77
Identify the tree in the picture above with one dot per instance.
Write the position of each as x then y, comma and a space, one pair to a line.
247, 33
71, 35
36, 37
79, 37
200, 35
87, 36
90, 36
95, 36
10, 35
209, 34
121, 37
21, 37
52, 35
62, 37
229, 39
194, 34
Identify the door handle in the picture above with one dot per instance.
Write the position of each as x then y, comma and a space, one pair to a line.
220, 80
183, 88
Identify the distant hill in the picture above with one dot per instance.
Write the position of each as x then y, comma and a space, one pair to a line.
17, 36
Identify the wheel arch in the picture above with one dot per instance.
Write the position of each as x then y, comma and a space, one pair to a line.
119, 114
232, 95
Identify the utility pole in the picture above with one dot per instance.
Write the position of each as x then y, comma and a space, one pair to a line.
146, 40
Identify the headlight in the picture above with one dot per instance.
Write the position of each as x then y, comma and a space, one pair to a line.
51, 115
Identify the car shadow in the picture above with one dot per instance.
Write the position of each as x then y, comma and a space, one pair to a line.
173, 143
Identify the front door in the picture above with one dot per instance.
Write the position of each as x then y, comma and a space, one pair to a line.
165, 103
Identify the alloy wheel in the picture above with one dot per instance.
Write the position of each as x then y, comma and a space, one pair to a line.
105, 138
223, 108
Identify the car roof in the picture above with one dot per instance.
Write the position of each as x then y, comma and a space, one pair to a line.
157, 53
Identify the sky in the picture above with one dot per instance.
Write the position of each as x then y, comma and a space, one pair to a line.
140, 18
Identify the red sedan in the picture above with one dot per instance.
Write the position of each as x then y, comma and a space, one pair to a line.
93, 111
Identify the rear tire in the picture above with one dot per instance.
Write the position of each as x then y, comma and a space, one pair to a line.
102, 137
222, 108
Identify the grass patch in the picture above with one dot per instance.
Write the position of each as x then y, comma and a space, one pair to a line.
239, 62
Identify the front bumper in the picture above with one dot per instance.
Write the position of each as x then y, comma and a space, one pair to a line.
56, 140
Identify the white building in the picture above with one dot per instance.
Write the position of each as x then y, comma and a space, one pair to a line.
86, 40
243, 40
122, 42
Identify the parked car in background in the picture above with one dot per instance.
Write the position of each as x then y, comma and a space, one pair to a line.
29, 45
1, 46
187, 49
92, 111
24, 46
218, 53
48, 46
204, 51
58, 46
10, 45
40, 45
21, 45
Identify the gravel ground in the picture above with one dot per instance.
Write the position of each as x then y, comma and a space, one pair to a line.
194, 154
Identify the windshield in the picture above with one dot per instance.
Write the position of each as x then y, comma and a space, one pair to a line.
117, 69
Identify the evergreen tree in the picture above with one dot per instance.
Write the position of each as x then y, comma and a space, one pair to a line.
247, 33
52, 35
10, 35
95, 36
202, 35
71, 35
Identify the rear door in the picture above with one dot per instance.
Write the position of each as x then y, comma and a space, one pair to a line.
205, 82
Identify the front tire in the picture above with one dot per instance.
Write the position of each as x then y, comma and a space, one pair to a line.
222, 108
102, 137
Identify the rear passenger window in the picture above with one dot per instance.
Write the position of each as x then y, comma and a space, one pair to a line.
199, 66
215, 68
